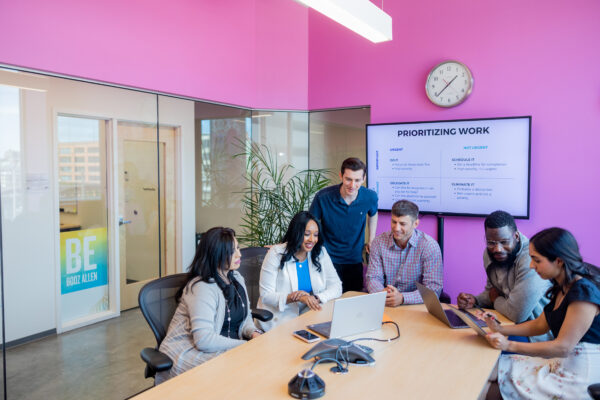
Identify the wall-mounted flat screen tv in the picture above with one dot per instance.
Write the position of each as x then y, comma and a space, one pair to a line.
467, 167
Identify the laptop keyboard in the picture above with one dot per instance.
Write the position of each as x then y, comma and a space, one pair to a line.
457, 322
323, 328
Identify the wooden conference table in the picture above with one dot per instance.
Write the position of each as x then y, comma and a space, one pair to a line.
429, 361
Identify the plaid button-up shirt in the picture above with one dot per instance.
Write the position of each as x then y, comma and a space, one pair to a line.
420, 261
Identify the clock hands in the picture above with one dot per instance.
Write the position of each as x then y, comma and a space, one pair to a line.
447, 84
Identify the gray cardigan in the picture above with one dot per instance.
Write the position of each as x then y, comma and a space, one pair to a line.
194, 334
522, 290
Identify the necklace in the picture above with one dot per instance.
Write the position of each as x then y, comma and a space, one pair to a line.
229, 310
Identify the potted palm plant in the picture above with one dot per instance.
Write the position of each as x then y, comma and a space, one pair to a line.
273, 194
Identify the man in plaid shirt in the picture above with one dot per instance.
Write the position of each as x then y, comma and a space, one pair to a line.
403, 256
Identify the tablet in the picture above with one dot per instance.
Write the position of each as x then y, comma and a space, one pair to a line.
467, 320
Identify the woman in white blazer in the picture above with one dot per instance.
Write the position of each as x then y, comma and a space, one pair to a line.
298, 274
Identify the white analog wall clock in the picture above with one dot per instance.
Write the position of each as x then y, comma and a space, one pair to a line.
449, 83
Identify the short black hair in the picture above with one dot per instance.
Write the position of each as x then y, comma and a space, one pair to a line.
405, 207
499, 219
353, 164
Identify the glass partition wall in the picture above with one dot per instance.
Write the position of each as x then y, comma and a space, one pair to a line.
316, 139
336, 135
101, 190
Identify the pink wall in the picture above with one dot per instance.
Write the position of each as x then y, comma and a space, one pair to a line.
281, 55
536, 58
204, 49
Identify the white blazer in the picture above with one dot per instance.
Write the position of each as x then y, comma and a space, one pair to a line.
276, 283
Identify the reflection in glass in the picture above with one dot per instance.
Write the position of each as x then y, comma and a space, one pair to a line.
336, 135
10, 153
221, 132
286, 135
10, 180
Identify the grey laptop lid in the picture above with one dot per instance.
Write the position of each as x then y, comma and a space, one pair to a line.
435, 307
354, 315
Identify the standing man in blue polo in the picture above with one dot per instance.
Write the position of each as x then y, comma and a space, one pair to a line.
343, 211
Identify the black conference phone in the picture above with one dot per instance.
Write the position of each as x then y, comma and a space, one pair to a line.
340, 350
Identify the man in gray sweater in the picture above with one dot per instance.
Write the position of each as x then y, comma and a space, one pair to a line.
512, 288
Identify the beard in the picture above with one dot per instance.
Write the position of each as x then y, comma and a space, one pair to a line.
510, 259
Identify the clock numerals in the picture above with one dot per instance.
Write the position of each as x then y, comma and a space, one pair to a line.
449, 83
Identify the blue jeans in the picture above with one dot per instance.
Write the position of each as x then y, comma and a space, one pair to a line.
522, 339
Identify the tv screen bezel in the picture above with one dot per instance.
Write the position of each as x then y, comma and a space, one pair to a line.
450, 214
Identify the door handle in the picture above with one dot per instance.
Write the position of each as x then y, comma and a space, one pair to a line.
123, 222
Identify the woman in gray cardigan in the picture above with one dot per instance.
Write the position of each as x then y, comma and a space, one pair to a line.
213, 314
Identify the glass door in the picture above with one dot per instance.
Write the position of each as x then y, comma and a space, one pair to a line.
83, 213
146, 206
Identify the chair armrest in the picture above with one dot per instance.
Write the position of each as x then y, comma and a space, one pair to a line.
445, 297
156, 360
262, 315
594, 391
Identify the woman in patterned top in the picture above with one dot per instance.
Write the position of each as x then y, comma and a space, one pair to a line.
561, 368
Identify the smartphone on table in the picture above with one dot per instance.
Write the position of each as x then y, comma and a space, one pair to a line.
305, 335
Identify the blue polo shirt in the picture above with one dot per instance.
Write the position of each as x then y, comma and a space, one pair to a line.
343, 225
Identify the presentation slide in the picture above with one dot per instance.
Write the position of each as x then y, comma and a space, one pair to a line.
462, 167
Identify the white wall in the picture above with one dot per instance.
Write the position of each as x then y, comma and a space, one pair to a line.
28, 245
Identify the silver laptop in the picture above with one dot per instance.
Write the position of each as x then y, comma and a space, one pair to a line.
353, 315
449, 317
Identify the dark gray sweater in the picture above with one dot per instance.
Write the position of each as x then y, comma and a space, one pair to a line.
522, 290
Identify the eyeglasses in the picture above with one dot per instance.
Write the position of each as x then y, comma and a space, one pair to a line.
494, 243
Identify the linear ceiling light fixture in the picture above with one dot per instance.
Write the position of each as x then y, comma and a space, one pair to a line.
360, 16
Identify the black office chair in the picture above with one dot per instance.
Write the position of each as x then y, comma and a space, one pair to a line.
157, 303
250, 265
445, 297
594, 391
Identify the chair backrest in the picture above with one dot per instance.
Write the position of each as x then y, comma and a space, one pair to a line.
157, 303
251, 262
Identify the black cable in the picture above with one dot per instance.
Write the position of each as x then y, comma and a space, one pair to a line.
340, 366
340, 357
382, 340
